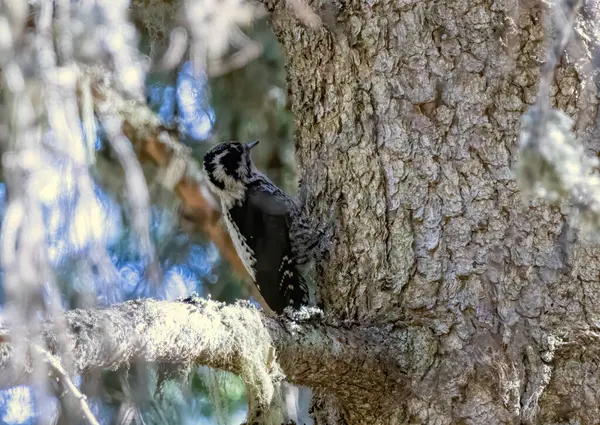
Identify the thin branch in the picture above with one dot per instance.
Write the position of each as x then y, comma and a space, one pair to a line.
553, 163
62, 374
565, 13
137, 189
153, 144
247, 53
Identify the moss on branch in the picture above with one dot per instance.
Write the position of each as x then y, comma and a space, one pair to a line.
260, 348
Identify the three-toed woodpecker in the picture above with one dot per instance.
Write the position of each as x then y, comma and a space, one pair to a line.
270, 234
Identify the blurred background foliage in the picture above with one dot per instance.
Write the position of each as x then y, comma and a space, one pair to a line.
248, 103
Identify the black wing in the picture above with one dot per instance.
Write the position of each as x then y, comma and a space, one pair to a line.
264, 219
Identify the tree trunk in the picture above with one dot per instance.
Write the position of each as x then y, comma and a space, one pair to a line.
407, 117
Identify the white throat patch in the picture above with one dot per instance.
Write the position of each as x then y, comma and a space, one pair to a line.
234, 190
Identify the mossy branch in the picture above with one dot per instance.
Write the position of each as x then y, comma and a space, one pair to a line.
239, 338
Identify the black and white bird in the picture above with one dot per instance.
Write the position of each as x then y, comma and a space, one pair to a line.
270, 234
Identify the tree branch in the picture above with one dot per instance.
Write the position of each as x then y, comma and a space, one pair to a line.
237, 338
68, 384
152, 143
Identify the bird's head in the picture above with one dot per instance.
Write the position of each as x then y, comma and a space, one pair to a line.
228, 166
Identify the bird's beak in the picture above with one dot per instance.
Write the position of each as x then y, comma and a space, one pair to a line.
252, 144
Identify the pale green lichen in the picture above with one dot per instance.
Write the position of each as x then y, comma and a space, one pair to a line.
156, 18
554, 166
217, 382
251, 348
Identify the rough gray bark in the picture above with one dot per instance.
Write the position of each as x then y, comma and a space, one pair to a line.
407, 116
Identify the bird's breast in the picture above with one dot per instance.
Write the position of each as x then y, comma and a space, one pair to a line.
241, 245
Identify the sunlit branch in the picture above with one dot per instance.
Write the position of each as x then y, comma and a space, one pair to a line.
237, 338
56, 366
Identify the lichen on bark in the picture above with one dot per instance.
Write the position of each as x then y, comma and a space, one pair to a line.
407, 116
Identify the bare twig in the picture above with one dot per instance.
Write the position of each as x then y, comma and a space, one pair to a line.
137, 190
62, 374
